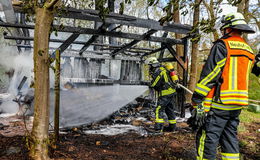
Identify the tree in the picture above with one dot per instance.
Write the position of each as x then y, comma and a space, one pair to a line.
39, 138
176, 19
194, 49
250, 12
213, 9
243, 7
254, 14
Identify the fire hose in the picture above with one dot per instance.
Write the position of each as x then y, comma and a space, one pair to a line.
185, 88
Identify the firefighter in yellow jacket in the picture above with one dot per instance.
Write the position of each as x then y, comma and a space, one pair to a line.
161, 82
222, 90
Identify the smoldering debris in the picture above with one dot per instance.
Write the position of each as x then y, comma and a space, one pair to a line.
136, 117
82, 106
129, 119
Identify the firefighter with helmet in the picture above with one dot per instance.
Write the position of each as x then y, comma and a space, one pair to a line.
161, 82
222, 90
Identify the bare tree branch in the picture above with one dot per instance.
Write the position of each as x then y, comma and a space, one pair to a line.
210, 10
256, 21
51, 4
207, 6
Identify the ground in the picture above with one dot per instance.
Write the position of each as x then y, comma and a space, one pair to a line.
129, 146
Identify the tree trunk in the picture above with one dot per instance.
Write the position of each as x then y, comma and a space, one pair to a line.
179, 48
210, 10
243, 7
246, 14
194, 52
39, 135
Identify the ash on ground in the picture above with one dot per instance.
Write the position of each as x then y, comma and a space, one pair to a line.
136, 117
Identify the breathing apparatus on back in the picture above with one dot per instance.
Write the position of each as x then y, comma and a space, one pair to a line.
172, 72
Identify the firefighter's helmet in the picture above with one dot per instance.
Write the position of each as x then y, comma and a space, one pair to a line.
151, 60
236, 21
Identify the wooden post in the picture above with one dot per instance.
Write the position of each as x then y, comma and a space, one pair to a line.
57, 96
185, 74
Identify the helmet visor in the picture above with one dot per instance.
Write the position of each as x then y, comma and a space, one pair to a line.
243, 27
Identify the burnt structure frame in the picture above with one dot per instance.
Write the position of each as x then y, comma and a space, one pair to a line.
117, 19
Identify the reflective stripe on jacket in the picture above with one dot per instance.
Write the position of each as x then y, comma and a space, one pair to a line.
207, 103
161, 82
235, 76
227, 67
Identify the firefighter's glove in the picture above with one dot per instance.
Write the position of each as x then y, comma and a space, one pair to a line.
198, 117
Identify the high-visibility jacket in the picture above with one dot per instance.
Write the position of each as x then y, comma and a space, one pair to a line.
209, 99
233, 73
240, 57
161, 82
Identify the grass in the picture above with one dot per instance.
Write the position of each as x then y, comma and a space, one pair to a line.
248, 134
248, 117
254, 87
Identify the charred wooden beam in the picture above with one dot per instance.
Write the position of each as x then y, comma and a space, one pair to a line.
128, 50
119, 46
102, 28
154, 51
23, 46
129, 45
185, 74
65, 44
96, 55
172, 59
165, 34
178, 58
114, 18
3, 24
111, 47
69, 50
90, 51
53, 49
68, 42
31, 39
96, 32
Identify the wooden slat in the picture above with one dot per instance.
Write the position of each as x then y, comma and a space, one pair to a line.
96, 32
174, 54
68, 42
93, 38
114, 18
154, 51
129, 45
165, 34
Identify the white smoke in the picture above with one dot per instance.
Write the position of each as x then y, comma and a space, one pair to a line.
22, 64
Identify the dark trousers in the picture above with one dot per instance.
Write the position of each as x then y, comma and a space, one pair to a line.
220, 128
166, 104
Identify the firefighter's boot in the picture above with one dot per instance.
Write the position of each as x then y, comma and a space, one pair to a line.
158, 127
170, 128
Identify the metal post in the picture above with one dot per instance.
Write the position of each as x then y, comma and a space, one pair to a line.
57, 95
